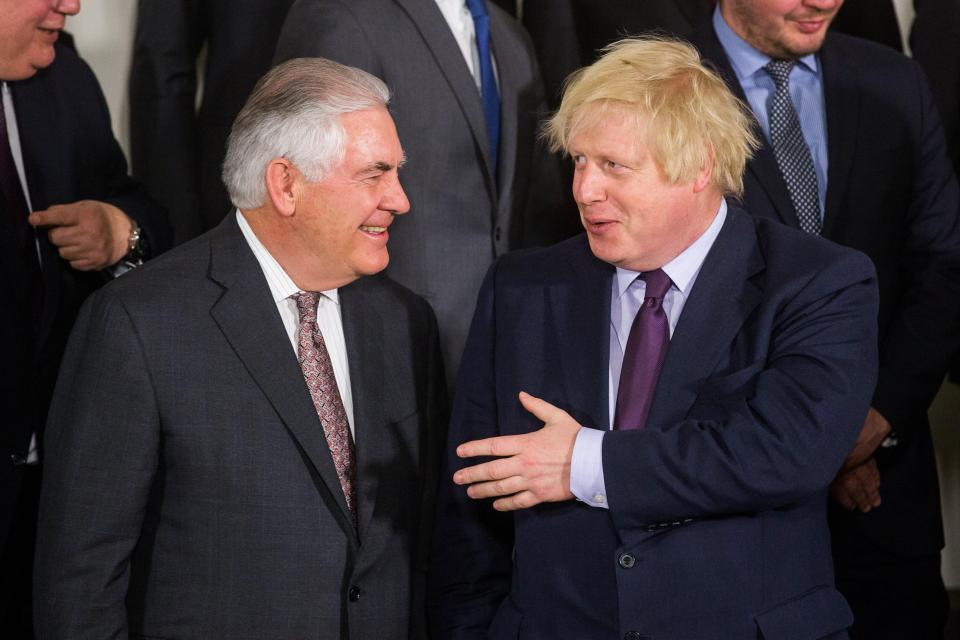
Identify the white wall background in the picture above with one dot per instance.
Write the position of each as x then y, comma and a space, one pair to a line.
104, 36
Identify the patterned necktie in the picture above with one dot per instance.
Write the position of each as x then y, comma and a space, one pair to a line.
643, 357
318, 373
790, 149
16, 208
488, 83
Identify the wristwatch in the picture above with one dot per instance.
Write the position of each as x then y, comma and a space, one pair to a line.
134, 256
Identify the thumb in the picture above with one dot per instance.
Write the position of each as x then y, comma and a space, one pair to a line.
543, 410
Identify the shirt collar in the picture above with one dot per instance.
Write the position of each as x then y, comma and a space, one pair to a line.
745, 60
684, 268
281, 284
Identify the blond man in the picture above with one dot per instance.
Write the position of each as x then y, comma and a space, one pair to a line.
666, 397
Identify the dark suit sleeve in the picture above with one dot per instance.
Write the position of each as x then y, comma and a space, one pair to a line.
162, 91
438, 416
769, 435
102, 439
471, 564
326, 29
924, 333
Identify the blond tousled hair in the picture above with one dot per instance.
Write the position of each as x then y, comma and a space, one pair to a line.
691, 118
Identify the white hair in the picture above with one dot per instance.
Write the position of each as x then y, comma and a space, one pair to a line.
294, 112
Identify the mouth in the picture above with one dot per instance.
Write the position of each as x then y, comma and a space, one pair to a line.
812, 24
372, 230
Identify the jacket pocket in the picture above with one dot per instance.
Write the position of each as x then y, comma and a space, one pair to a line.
816, 614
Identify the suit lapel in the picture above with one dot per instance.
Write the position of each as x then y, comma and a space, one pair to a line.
842, 105
579, 304
47, 175
249, 321
762, 173
439, 39
510, 92
722, 298
363, 333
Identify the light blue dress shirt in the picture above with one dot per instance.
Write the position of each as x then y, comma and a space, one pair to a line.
586, 466
806, 92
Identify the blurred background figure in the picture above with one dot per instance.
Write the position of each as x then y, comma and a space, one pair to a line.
188, 53
70, 216
467, 99
854, 151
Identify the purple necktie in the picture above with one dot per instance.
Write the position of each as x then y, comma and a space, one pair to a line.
318, 373
643, 357
16, 204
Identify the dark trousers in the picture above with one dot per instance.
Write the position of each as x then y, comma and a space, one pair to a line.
893, 597
19, 498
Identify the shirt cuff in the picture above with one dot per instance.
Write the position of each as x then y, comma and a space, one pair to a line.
586, 468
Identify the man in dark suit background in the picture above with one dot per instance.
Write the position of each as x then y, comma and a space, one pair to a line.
176, 147
568, 34
879, 181
245, 437
70, 214
733, 357
475, 193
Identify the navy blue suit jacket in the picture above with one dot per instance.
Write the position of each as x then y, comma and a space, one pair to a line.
717, 520
892, 194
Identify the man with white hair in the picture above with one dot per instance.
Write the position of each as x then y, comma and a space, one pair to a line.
250, 450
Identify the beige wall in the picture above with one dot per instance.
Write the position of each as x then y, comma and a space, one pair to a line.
104, 34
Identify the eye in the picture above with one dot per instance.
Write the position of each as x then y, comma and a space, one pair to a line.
613, 165
578, 160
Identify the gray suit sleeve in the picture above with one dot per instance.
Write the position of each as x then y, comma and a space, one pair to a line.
102, 439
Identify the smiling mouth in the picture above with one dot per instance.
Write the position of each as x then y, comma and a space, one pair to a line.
369, 229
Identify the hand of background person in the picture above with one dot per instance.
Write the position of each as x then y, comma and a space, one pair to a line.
875, 430
858, 487
89, 234
530, 468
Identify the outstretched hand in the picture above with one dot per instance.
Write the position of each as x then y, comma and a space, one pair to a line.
530, 468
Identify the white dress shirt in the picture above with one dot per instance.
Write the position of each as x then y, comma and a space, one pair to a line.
458, 17
329, 320
586, 467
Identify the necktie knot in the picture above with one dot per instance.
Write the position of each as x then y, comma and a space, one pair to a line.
307, 305
658, 283
780, 70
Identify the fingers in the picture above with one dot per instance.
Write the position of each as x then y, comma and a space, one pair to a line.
493, 470
504, 487
522, 500
858, 488
499, 446
55, 216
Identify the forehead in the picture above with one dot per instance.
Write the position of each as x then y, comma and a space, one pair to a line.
609, 126
372, 135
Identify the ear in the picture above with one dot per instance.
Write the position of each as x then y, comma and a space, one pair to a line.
705, 174
281, 177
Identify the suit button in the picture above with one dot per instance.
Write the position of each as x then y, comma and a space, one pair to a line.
627, 561
632, 635
354, 594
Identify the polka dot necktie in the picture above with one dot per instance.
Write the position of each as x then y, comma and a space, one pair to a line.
322, 383
790, 149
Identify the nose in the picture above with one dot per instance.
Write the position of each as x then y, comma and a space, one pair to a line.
588, 185
67, 7
395, 198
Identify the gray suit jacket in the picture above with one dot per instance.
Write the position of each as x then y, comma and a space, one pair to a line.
461, 216
189, 491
